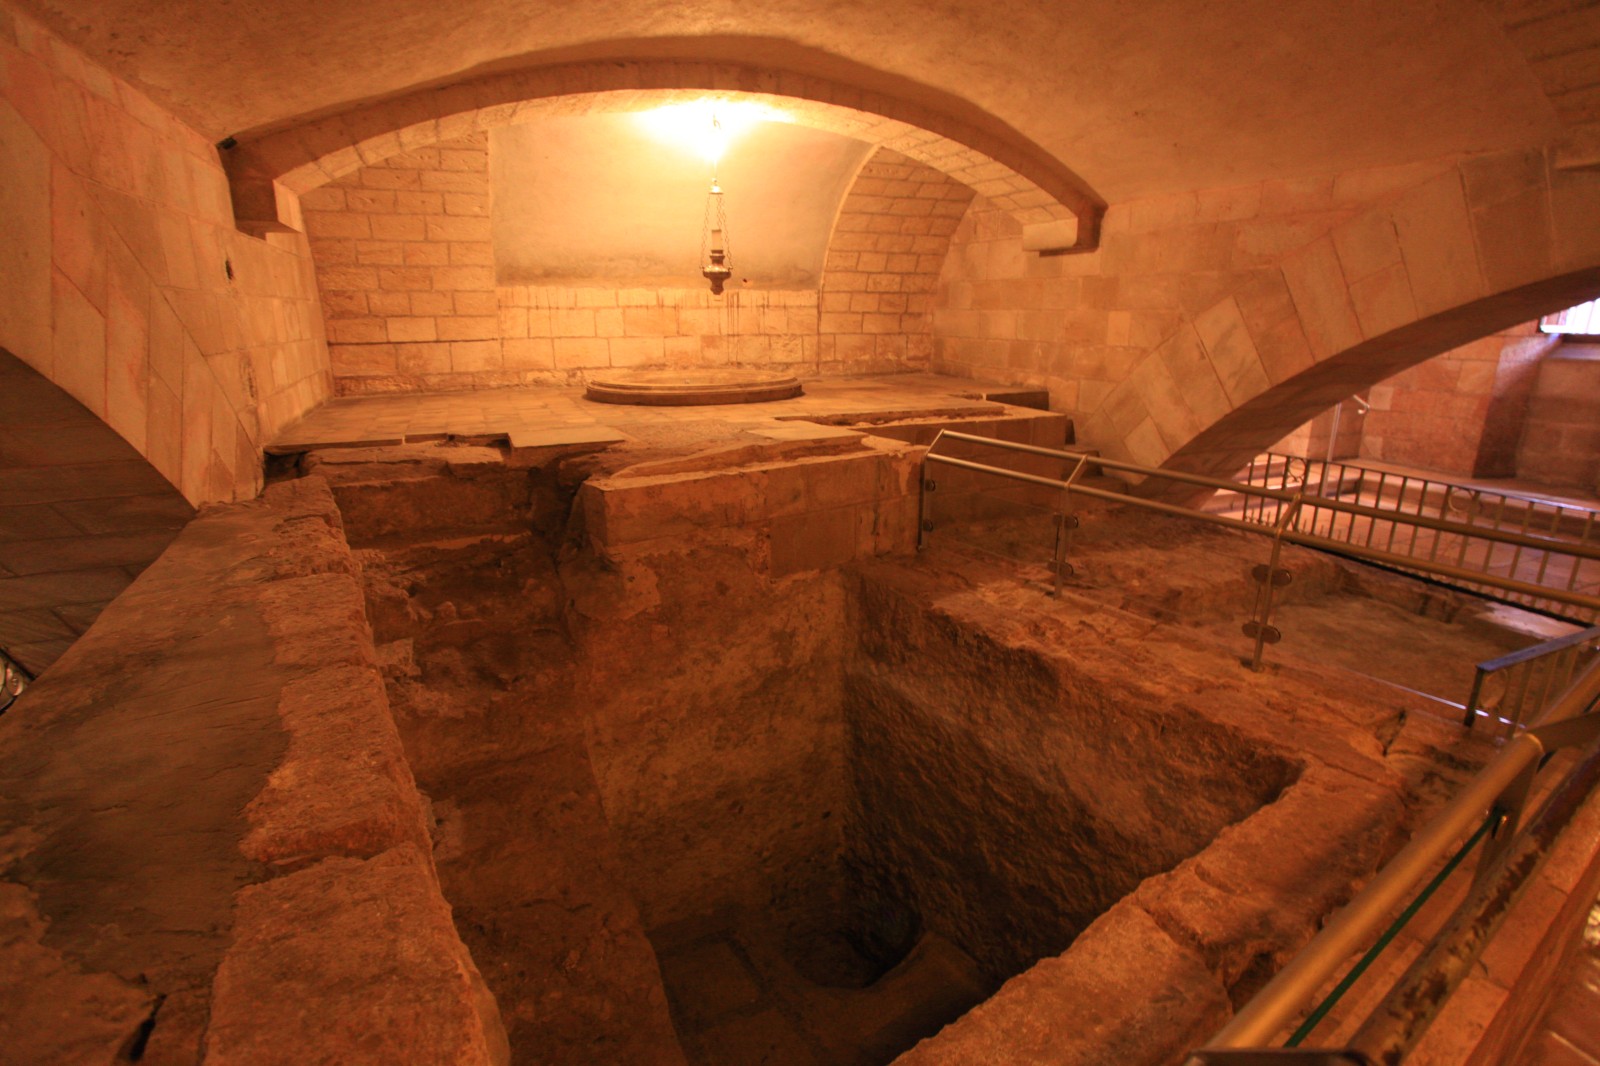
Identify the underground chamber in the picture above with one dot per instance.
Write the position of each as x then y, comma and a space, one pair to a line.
686, 809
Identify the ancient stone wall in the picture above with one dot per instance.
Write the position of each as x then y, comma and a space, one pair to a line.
713, 602
125, 282
1209, 324
1462, 411
405, 265
1561, 443
215, 848
1012, 799
989, 736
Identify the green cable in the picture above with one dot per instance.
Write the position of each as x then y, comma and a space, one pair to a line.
1389, 934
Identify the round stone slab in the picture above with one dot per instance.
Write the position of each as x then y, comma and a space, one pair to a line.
683, 388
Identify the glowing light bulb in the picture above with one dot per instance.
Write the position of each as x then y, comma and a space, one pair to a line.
716, 142
707, 126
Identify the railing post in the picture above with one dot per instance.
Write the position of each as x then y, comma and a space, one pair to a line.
925, 486
1269, 578
1472, 700
1066, 524
1509, 807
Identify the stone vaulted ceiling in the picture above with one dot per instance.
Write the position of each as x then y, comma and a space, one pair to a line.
1137, 98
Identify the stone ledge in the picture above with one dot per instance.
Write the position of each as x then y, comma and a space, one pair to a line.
351, 961
1125, 992
224, 721
344, 787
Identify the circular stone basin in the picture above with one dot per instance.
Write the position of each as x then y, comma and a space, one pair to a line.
688, 387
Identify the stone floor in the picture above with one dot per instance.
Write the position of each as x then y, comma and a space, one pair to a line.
534, 417
1569, 1032
738, 999
1514, 506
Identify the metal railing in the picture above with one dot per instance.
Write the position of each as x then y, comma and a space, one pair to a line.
1496, 798
1405, 507
1487, 814
1287, 505
1515, 687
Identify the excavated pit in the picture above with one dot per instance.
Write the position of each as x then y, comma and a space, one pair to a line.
690, 811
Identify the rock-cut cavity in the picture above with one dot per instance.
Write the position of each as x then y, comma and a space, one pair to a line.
689, 813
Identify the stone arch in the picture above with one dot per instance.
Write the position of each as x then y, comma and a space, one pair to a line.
82, 515
890, 238
1010, 171
1489, 242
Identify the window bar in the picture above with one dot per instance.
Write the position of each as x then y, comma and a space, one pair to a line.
1266, 483
1489, 546
1571, 657
1349, 533
1444, 516
1555, 530
1475, 697
1282, 477
1422, 498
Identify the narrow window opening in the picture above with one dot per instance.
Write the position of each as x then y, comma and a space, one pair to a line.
1582, 320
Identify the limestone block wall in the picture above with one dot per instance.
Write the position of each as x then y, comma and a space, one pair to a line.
889, 244
405, 266
1561, 443
1462, 411
1209, 324
125, 282
1080, 324
81, 514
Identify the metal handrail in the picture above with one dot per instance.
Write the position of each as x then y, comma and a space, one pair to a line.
1500, 787
1499, 536
1498, 792
1538, 671
1281, 531
1566, 530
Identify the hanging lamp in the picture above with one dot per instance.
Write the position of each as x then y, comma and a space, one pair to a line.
714, 245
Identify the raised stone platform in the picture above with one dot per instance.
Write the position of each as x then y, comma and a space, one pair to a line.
903, 406
692, 388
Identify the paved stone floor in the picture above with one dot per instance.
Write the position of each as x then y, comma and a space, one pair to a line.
535, 416
1569, 1032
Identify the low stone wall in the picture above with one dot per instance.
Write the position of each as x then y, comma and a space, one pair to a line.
1026, 736
211, 846
809, 505
1561, 443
